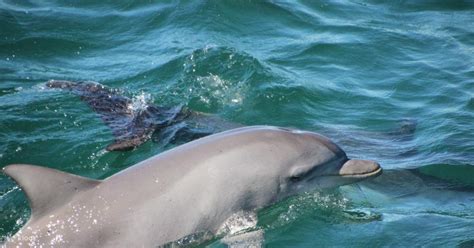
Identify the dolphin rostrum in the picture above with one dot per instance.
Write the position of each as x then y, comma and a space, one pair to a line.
191, 189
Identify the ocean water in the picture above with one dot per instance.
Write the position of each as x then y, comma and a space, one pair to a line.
354, 71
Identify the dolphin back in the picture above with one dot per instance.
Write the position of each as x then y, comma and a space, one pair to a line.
130, 127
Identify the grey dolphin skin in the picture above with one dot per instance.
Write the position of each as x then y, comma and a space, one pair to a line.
193, 188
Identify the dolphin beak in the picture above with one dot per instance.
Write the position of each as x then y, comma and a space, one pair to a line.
360, 169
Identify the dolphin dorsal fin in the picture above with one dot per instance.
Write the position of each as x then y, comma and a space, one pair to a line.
45, 188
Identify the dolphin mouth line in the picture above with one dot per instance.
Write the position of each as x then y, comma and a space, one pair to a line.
376, 172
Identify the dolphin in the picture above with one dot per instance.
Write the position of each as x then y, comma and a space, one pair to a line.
190, 189
175, 125
132, 127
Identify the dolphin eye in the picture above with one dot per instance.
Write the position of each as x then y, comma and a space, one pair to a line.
295, 178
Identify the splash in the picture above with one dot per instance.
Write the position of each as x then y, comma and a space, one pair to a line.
326, 203
238, 222
325, 207
223, 91
217, 77
190, 240
140, 102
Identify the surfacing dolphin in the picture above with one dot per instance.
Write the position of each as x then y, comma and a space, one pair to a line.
132, 127
191, 189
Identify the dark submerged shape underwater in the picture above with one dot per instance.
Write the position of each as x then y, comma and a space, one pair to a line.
132, 127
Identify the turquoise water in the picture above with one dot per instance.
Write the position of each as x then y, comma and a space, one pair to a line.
350, 70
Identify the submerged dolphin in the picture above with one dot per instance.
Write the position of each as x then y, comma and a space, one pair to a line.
191, 189
132, 127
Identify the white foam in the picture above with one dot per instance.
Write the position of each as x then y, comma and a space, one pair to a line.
140, 102
224, 92
238, 222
